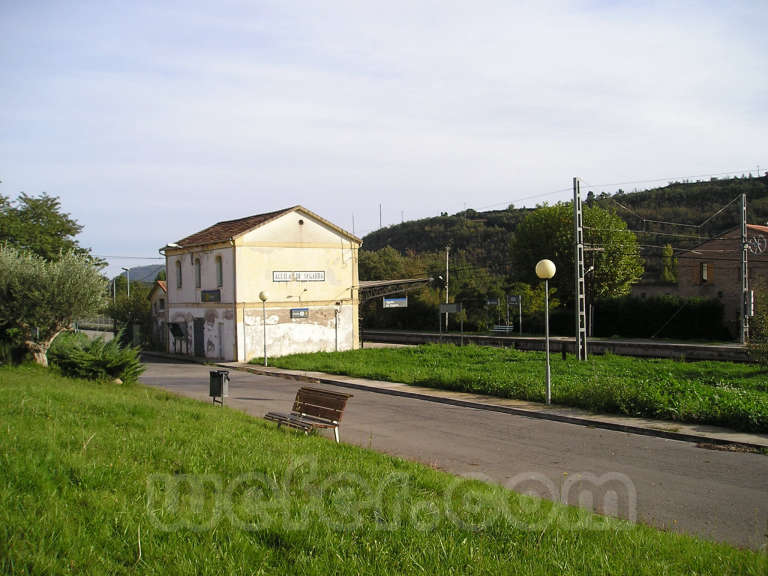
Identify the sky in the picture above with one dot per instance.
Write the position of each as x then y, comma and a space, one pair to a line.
153, 120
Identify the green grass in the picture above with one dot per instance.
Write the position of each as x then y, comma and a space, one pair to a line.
718, 393
88, 472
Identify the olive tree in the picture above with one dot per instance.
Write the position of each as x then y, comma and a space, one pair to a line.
40, 298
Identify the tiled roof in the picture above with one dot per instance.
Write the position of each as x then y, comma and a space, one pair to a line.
223, 231
158, 284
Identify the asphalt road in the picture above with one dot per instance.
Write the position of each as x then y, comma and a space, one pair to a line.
669, 484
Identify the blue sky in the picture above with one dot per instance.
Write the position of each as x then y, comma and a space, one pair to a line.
153, 120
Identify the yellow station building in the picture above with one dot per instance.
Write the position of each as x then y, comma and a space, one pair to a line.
305, 266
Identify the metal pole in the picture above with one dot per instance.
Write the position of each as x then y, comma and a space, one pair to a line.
579, 297
507, 310
546, 324
264, 320
520, 313
439, 322
447, 251
128, 280
744, 320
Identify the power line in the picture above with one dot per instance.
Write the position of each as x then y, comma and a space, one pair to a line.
129, 257
531, 197
668, 179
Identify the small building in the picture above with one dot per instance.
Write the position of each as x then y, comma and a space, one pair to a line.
159, 314
306, 266
713, 270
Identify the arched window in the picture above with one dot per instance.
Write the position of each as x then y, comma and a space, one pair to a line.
178, 273
198, 281
219, 273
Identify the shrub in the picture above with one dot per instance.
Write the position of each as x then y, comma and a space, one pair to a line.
662, 317
758, 329
78, 356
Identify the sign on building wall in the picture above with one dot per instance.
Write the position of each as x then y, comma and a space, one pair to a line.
401, 302
299, 313
298, 276
210, 296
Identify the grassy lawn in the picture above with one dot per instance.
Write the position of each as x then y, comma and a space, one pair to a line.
102, 478
720, 393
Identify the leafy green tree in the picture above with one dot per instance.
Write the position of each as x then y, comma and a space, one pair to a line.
668, 265
133, 309
547, 232
38, 225
39, 298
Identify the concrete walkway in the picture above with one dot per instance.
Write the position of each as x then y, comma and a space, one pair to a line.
699, 433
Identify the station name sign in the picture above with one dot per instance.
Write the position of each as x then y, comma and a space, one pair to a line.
210, 296
298, 276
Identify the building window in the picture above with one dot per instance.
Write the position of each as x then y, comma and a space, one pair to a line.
219, 273
198, 281
161, 304
704, 272
178, 273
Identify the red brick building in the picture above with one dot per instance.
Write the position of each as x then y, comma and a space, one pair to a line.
713, 270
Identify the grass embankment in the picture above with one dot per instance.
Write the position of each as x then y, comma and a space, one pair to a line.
719, 393
103, 478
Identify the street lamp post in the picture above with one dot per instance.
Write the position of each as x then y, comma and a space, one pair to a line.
128, 280
336, 310
545, 269
263, 296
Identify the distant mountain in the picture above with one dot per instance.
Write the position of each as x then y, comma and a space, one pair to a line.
483, 238
144, 274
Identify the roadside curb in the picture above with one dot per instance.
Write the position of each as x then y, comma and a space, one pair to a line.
588, 422
577, 420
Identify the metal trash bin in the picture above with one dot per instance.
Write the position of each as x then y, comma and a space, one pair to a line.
219, 385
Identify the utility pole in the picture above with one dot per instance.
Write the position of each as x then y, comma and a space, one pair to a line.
379, 215
578, 254
353, 223
744, 328
447, 251
128, 280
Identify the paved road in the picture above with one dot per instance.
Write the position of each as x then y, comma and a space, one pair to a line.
677, 486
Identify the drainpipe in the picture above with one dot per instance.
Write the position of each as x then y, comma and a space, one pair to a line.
234, 297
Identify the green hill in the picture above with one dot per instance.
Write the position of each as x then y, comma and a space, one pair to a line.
482, 239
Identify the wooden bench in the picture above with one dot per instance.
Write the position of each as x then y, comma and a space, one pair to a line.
313, 408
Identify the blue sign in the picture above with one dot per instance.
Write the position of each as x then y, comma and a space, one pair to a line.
299, 313
395, 302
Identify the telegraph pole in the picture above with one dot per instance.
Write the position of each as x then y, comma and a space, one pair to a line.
578, 256
447, 251
744, 321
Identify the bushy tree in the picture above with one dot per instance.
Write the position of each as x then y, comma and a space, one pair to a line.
37, 225
133, 309
547, 232
41, 298
668, 265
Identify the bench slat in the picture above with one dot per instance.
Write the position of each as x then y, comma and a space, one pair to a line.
313, 408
